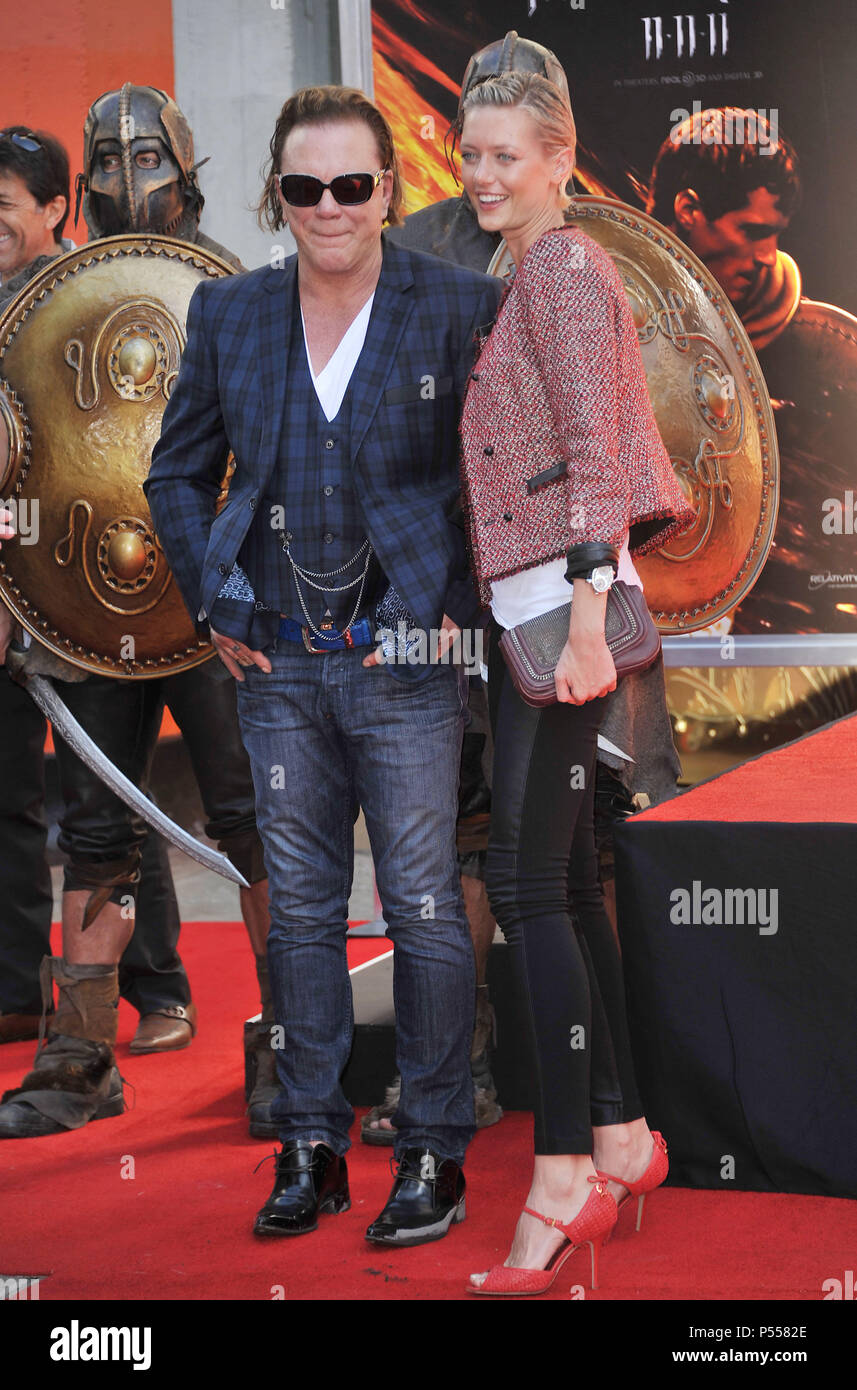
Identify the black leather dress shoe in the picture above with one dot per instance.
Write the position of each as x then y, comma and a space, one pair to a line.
310, 1179
427, 1197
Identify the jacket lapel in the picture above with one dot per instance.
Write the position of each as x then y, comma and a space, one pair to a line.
392, 308
274, 323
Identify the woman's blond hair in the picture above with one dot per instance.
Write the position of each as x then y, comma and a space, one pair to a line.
545, 103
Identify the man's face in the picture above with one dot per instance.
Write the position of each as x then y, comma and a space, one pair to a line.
331, 238
737, 246
157, 190
26, 228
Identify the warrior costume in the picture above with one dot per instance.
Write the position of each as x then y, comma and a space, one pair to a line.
127, 187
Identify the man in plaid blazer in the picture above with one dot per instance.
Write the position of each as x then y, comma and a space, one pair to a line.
336, 379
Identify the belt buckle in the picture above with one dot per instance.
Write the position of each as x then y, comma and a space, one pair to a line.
316, 651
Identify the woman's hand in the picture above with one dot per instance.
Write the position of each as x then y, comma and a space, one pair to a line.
584, 672
585, 669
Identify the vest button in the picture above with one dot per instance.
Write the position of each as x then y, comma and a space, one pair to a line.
328, 491
507, 516
327, 538
252, 504
222, 569
488, 450
474, 376
329, 443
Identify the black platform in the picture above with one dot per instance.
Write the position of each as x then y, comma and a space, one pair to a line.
744, 1037
373, 1065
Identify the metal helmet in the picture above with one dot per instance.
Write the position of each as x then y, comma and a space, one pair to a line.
513, 54
138, 169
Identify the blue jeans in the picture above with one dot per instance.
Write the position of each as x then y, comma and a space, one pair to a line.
324, 735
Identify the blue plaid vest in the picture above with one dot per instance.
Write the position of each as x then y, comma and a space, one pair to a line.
312, 504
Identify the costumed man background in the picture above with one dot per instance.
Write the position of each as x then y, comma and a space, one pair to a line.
637, 720
729, 186
139, 175
34, 191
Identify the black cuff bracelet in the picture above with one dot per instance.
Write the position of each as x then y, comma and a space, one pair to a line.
584, 558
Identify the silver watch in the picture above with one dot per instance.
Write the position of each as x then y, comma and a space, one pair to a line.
601, 578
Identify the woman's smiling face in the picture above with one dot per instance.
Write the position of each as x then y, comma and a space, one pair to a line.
512, 180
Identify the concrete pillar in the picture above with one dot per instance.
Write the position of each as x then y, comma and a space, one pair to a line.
236, 62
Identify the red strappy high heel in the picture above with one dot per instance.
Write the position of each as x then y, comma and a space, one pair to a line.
653, 1177
593, 1222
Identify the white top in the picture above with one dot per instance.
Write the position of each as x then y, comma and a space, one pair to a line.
543, 588
332, 381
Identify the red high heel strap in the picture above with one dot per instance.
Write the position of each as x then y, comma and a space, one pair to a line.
599, 1181
642, 1185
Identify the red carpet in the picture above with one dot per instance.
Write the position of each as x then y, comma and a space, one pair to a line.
180, 1228
808, 781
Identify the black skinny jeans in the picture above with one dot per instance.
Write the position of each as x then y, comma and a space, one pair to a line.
543, 886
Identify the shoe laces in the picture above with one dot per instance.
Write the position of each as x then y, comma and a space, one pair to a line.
279, 1155
400, 1171
132, 1088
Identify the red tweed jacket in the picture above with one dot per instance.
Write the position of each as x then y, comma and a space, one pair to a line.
560, 444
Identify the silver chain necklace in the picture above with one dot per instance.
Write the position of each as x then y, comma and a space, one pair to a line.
309, 577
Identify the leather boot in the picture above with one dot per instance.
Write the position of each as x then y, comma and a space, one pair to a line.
488, 1112
311, 1179
261, 1084
427, 1198
74, 1077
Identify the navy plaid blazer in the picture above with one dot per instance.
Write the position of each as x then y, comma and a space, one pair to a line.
407, 391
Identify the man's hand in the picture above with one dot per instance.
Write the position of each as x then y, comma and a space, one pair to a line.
446, 637
235, 655
7, 627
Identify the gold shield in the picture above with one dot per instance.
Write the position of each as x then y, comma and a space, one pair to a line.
89, 352
713, 413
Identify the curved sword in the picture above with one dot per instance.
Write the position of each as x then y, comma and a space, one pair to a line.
86, 749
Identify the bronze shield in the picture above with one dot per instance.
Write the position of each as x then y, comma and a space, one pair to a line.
712, 409
89, 352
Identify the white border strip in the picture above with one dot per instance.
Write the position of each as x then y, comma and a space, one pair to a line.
374, 961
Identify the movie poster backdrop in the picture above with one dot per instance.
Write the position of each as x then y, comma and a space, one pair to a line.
635, 76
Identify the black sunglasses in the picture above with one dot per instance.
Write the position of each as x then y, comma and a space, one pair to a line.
305, 191
24, 142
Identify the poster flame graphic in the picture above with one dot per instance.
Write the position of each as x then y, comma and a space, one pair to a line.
418, 127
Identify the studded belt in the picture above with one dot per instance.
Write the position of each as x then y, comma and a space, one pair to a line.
359, 634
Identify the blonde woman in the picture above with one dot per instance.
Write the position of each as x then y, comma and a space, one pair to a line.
565, 475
